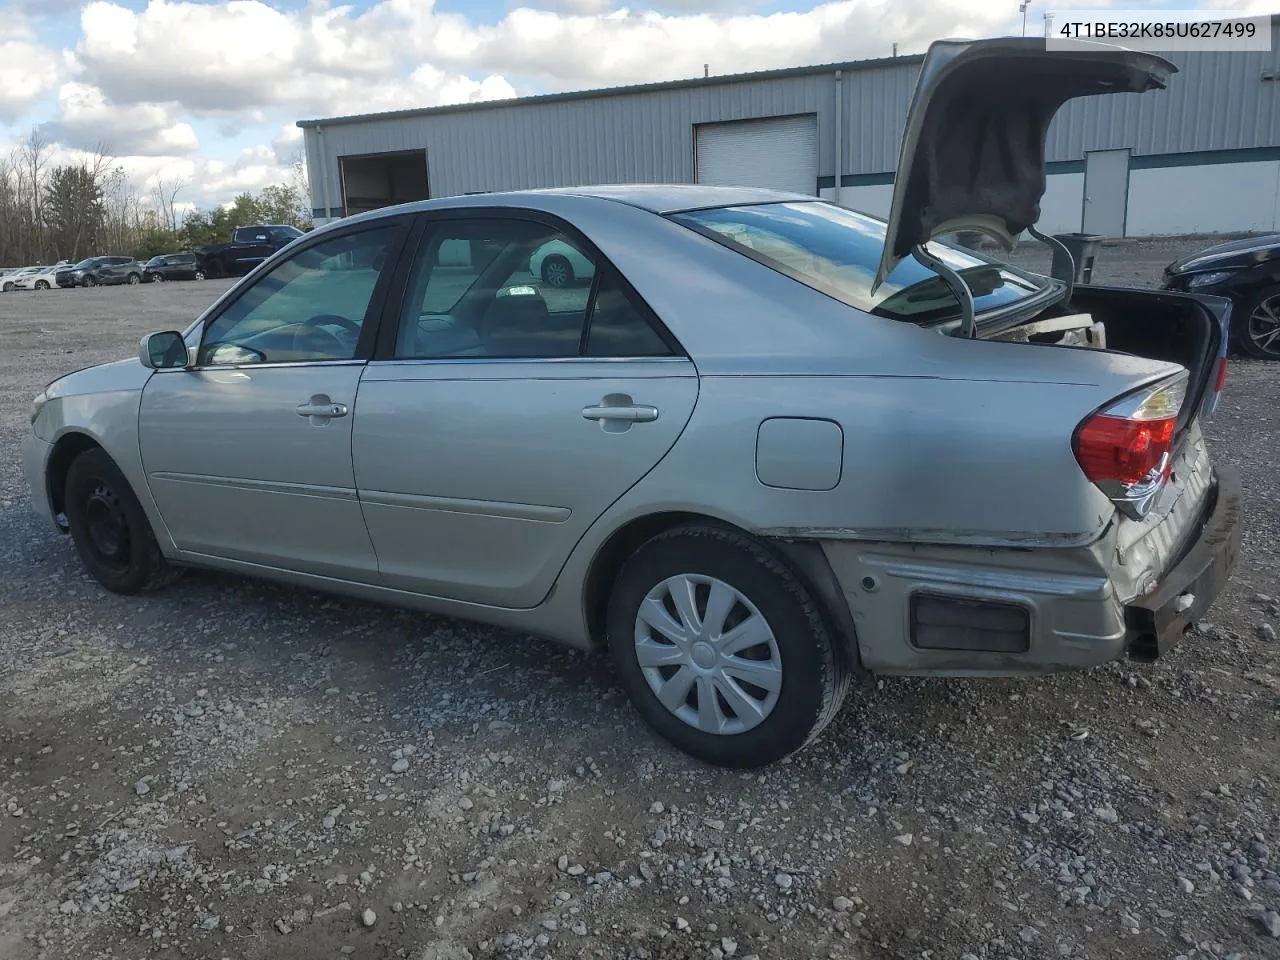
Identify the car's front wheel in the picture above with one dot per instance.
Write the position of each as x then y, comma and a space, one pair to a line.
1260, 325
89, 282
157, 278
134, 278
42, 284
722, 649
111, 532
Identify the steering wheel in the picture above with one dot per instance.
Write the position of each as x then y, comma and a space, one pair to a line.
350, 326
306, 332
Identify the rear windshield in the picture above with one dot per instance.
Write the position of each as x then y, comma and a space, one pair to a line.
837, 252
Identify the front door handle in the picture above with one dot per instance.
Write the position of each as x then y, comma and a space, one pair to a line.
320, 409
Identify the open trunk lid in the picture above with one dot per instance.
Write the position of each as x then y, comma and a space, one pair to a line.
972, 154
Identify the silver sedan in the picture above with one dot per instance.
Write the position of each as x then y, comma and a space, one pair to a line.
762, 445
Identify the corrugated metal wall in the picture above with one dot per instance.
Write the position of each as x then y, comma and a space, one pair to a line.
1218, 101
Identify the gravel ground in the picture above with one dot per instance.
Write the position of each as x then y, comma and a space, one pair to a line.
236, 769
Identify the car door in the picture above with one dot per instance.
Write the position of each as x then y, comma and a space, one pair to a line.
247, 451
502, 416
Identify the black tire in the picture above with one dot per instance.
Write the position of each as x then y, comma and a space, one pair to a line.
89, 282
199, 275
42, 284
1247, 325
815, 673
557, 271
157, 278
110, 530
134, 278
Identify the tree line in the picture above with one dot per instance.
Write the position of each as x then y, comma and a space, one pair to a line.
51, 212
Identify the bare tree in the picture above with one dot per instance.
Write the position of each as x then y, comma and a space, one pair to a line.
165, 198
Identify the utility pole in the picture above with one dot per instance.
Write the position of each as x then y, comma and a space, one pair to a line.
1022, 7
895, 48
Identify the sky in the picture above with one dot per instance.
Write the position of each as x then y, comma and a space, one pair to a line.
206, 94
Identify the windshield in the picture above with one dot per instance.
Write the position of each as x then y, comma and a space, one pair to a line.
837, 251
85, 263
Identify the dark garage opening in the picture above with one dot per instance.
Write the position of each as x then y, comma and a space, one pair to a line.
381, 179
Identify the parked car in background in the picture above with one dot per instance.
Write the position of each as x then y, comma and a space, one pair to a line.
100, 271
1247, 272
774, 444
9, 281
248, 247
172, 266
558, 264
40, 278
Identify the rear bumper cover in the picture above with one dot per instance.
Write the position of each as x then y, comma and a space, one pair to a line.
1082, 608
1157, 620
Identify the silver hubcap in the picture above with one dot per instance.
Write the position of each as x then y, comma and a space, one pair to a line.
708, 654
1264, 325
557, 275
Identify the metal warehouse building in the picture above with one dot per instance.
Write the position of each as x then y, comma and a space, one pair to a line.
1202, 156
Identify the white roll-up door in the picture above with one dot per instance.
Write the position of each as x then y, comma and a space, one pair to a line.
780, 153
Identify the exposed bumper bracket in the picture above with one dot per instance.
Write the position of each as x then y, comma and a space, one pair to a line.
1156, 621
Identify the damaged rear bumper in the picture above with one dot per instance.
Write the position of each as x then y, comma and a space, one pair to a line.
957, 611
1157, 620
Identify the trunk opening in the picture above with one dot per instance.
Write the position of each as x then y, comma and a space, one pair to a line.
1144, 323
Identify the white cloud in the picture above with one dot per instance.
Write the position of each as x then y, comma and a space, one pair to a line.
28, 72
86, 120
287, 144
141, 76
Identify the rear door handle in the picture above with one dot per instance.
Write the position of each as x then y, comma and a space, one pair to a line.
634, 413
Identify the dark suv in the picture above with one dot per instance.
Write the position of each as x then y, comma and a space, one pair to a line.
249, 246
172, 266
100, 271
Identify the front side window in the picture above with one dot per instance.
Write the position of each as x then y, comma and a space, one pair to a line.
837, 251
311, 307
494, 287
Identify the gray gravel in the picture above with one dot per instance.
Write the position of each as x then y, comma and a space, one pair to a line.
235, 769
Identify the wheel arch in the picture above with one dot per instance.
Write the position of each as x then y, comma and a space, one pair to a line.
803, 558
65, 449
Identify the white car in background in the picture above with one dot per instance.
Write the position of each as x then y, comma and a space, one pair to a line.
39, 278
9, 282
558, 264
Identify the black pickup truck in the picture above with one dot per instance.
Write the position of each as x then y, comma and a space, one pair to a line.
249, 246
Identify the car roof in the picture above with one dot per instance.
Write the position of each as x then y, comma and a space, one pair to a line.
660, 198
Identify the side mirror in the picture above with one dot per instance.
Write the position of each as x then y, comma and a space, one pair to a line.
163, 351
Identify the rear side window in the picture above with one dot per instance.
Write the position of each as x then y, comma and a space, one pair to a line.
619, 325
496, 287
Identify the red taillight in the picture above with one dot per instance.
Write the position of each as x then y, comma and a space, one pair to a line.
1123, 450
1127, 448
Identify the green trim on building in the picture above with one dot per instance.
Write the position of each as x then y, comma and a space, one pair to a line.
1152, 161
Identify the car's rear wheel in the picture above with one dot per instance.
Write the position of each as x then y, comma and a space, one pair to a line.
199, 275
557, 271
42, 284
110, 529
722, 649
1260, 330
8, 288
